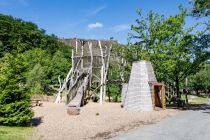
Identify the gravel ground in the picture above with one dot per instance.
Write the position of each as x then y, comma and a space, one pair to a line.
94, 122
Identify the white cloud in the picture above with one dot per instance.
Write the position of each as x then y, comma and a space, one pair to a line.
120, 27
96, 11
95, 25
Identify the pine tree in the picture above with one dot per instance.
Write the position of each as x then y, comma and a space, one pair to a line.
14, 100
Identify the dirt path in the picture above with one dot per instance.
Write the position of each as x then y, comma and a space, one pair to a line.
94, 122
190, 125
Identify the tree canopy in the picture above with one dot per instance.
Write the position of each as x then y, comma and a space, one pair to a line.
200, 8
30, 62
175, 51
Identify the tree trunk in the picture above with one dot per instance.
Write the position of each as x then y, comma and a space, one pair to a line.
109, 96
177, 92
186, 98
197, 92
186, 93
177, 87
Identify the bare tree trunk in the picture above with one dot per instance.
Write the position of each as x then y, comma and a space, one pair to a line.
177, 87
177, 92
186, 97
197, 91
186, 86
109, 96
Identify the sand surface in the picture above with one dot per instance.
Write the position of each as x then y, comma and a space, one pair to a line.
94, 122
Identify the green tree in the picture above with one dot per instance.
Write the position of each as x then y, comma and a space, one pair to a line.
30, 62
35, 79
119, 70
59, 66
200, 8
14, 100
201, 80
174, 51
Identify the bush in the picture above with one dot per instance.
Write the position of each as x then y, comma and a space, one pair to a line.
17, 113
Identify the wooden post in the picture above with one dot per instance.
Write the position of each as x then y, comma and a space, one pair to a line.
101, 85
106, 71
72, 62
91, 62
82, 55
72, 59
163, 96
76, 46
102, 74
66, 95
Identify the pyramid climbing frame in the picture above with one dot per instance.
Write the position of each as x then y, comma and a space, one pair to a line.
143, 90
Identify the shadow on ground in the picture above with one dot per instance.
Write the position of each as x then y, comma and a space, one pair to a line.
36, 121
109, 134
194, 107
189, 107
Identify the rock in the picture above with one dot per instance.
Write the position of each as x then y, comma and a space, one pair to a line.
73, 111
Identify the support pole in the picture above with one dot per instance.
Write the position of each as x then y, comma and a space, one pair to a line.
76, 46
82, 65
101, 86
72, 63
102, 74
106, 71
91, 62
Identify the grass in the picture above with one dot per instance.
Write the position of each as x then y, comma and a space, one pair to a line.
17, 133
194, 99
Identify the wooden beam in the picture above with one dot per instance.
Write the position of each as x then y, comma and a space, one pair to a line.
102, 74
101, 87
106, 71
82, 54
76, 45
91, 61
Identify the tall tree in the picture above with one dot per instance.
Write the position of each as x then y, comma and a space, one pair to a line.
14, 100
29, 62
201, 80
174, 50
200, 8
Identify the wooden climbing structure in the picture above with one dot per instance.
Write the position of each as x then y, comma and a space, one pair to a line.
90, 63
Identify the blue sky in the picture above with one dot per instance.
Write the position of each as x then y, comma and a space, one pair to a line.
95, 19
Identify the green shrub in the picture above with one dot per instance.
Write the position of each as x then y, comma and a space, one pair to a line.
17, 113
